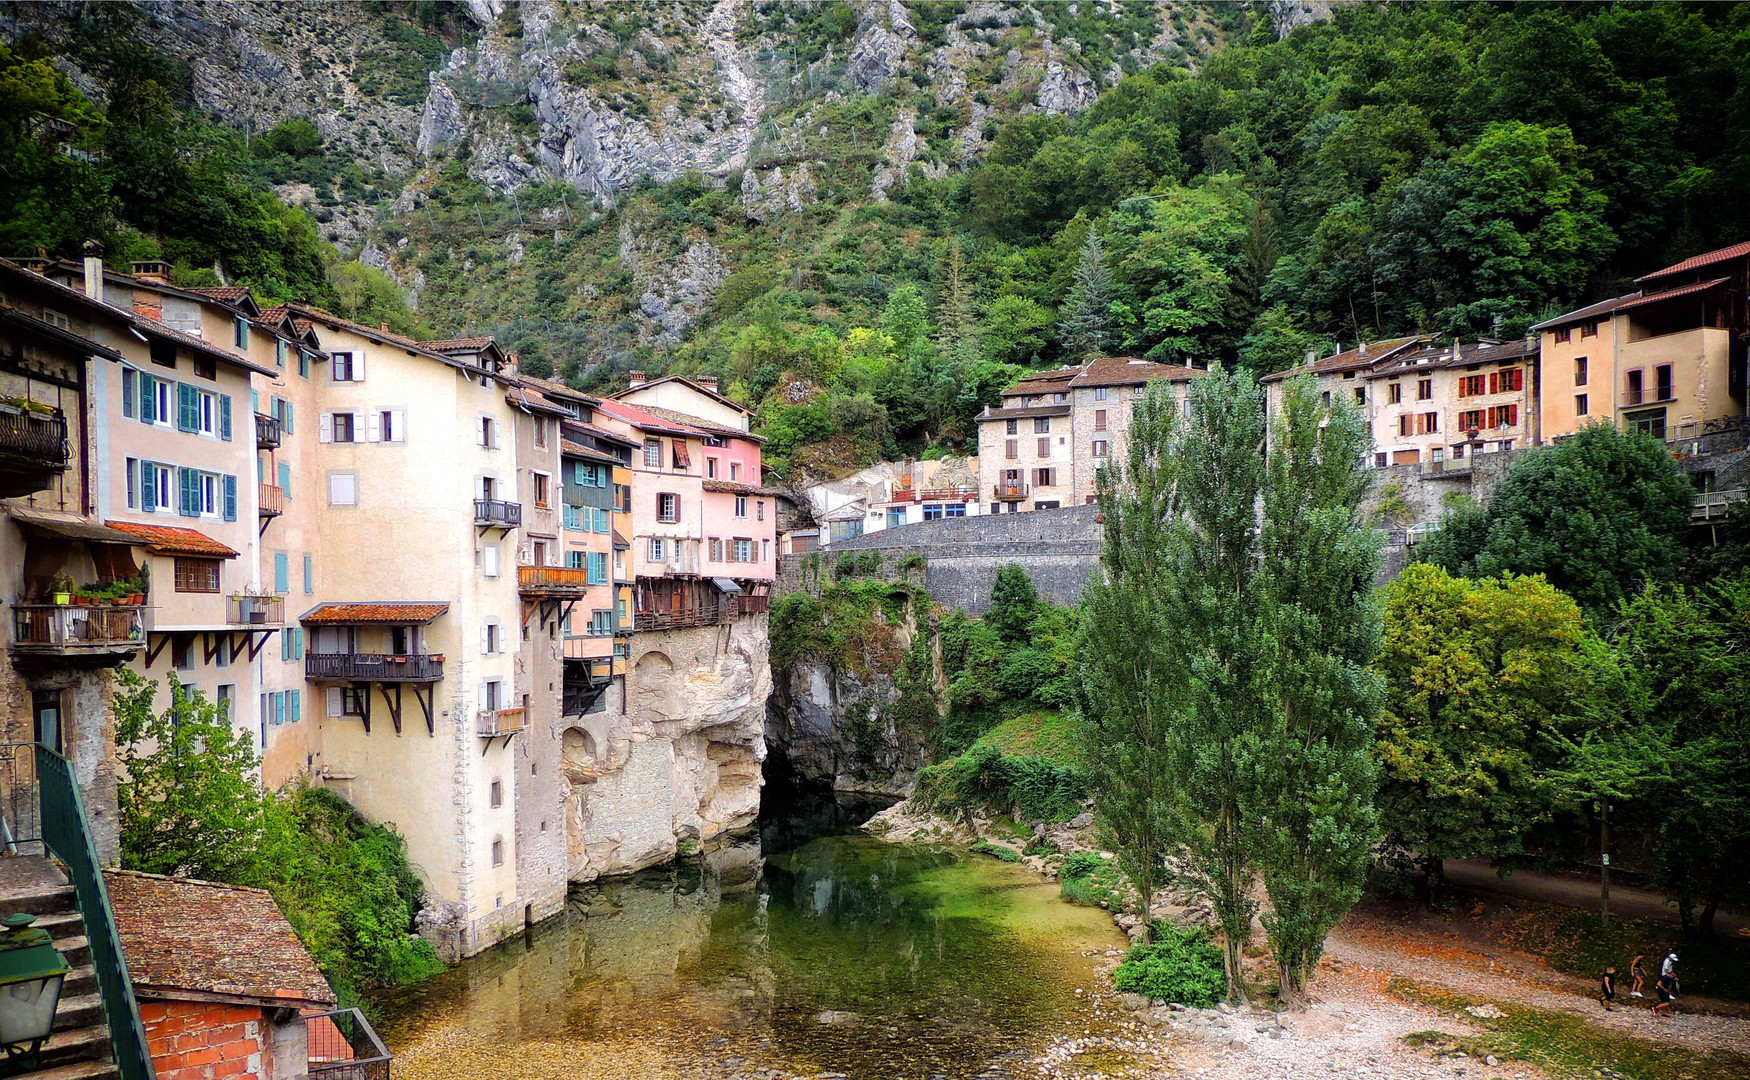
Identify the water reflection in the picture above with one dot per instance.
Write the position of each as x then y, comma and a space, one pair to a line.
796, 948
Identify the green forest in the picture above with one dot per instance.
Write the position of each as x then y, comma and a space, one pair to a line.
1461, 169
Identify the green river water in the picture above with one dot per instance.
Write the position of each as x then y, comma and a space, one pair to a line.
807, 948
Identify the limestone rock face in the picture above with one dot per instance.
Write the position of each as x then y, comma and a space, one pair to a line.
679, 759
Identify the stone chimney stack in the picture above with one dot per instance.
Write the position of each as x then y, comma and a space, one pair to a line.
709, 382
634, 379
1364, 350
94, 269
153, 271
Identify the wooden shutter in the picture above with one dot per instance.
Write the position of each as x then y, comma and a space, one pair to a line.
373, 426
325, 429
130, 390
230, 498
1045, 447
1494, 382
189, 483
225, 417
397, 431
358, 367
187, 408
285, 479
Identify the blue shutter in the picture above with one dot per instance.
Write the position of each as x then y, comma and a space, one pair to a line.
300, 646
133, 483
286, 406
190, 482
297, 705
601, 520
188, 409
286, 479
130, 388
280, 573
230, 498
255, 400
225, 417
309, 578
148, 399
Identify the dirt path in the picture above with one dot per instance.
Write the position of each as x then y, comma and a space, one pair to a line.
1573, 890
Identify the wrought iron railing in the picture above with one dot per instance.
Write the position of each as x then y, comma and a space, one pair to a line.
21, 824
497, 512
77, 627
268, 431
374, 667
34, 438
68, 835
344, 1046
1006, 490
256, 610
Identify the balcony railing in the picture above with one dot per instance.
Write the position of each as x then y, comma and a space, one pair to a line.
556, 580
48, 628
374, 667
964, 493
1714, 505
33, 439
496, 722
497, 512
1009, 491
268, 431
725, 610
344, 1046
256, 610
272, 500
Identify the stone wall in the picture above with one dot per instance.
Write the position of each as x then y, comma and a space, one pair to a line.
676, 757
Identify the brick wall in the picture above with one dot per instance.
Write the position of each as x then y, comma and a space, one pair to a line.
203, 1040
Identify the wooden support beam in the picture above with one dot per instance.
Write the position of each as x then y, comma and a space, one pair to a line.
425, 700
394, 703
152, 651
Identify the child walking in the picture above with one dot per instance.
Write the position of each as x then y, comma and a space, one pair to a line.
1637, 970
1607, 988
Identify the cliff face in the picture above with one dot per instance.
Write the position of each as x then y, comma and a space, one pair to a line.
680, 761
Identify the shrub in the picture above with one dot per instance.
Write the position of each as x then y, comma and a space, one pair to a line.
1181, 965
1081, 865
996, 851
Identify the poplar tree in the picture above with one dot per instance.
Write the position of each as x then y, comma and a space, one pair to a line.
957, 330
1086, 325
1311, 799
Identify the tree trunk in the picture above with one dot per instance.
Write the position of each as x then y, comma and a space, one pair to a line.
1707, 916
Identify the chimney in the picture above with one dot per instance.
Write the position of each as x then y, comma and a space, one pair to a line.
1364, 350
634, 379
709, 382
154, 271
1312, 353
94, 269
1455, 350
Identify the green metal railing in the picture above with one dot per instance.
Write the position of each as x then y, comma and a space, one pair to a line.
66, 832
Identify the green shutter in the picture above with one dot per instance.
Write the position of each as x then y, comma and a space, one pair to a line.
280, 574
133, 483
297, 710
188, 409
286, 479
288, 417
230, 498
148, 399
225, 417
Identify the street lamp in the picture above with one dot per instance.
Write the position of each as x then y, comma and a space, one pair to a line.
31, 973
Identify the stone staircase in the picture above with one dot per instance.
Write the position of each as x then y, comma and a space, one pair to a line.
79, 1049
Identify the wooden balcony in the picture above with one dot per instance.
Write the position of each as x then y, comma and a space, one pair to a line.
268, 431
727, 609
967, 493
99, 631
256, 610
498, 513
272, 500
496, 722
1006, 490
33, 450
560, 581
373, 667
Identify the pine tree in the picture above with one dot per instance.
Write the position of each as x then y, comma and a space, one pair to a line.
1311, 801
957, 329
1086, 326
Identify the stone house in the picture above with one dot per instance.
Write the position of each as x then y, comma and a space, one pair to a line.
890, 494
1041, 448
1436, 406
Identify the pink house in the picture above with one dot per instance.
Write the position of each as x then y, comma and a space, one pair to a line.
703, 526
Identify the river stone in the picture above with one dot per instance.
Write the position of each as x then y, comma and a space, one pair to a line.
1134, 1002
837, 1018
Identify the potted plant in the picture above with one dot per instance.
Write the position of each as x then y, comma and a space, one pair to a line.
61, 590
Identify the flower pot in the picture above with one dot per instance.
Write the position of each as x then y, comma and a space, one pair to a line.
62, 599
83, 601
258, 617
118, 601
137, 599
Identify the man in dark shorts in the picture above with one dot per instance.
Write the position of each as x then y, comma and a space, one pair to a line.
1607, 988
1665, 987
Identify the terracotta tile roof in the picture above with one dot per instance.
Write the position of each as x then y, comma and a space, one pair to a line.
730, 487
461, 344
1019, 412
1045, 382
553, 388
640, 416
1493, 352
170, 333
401, 614
1366, 355
1725, 254
174, 540
186, 934
1128, 371
276, 313
228, 294
702, 425
1602, 307
682, 379
599, 432
534, 401
1682, 290
566, 446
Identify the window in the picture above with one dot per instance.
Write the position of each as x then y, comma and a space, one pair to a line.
1379, 460
716, 545
1099, 447
1506, 381
163, 353
1580, 405
653, 453
1012, 449
1404, 425
1427, 423
340, 367
343, 489
741, 506
1099, 393
574, 517
668, 507
1471, 419
45, 707
491, 639
154, 401
1579, 371
1012, 427
1589, 329
541, 493
657, 546
1360, 395
303, 364
1632, 388
497, 852
1662, 382
601, 622
598, 520
495, 794
1651, 422
1044, 448
743, 550
1424, 389
1325, 399
1041, 425
1135, 391
932, 511
1045, 477
1501, 416
1099, 419
391, 422
206, 367
1564, 335
342, 427
196, 575
1394, 393
597, 568
488, 432
575, 560
1060, 398
711, 468
240, 332
1470, 386
541, 431
55, 318
735, 472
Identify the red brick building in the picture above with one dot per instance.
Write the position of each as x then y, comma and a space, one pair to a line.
221, 978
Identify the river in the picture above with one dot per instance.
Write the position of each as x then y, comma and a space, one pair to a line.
802, 948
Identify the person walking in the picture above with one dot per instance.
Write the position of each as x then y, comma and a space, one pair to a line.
1637, 970
1667, 987
1607, 988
